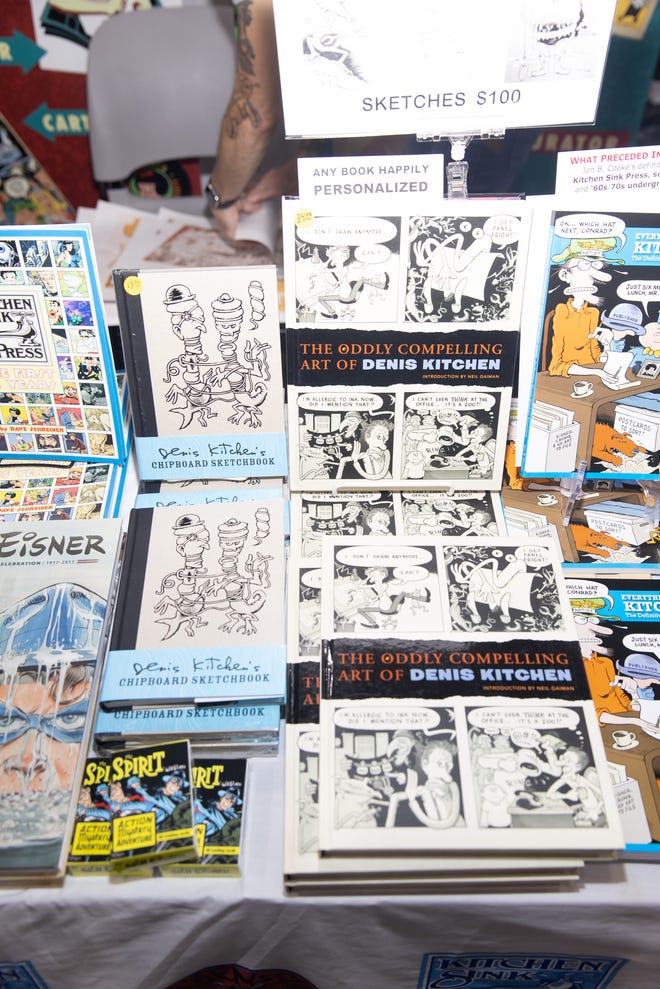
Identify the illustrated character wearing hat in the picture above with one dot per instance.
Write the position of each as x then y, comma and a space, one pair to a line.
639, 676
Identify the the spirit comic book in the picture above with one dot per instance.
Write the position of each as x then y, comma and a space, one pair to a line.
59, 397
398, 409
595, 402
142, 799
219, 800
459, 267
204, 371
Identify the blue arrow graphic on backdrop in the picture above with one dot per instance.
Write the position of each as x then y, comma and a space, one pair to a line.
58, 123
20, 50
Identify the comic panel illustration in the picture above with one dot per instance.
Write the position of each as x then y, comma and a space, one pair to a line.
534, 767
462, 513
616, 621
396, 768
453, 435
465, 269
499, 586
352, 513
450, 269
344, 435
596, 389
381, 588
342, 270
306, 789
304, 620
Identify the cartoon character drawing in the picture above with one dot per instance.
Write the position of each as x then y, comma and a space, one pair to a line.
237, 380
238, 594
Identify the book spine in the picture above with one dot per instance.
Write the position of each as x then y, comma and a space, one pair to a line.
131, 581
136, 357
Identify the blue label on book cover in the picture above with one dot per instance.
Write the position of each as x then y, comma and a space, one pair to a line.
217, 456
238, 673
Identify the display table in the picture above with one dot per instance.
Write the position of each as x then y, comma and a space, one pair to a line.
146, 934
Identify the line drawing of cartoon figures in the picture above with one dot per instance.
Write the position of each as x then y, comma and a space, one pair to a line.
371, 457
551, 43
238, 594
378, 597
493, 589
239, 380
461, 269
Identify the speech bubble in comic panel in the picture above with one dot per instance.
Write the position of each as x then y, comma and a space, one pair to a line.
590, 226
517, 720
406, 717
640, 290
340, 402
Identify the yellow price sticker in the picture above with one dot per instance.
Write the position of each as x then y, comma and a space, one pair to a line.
133, 285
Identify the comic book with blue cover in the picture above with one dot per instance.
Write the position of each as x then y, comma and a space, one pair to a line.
617, 618
59, 397
139, 803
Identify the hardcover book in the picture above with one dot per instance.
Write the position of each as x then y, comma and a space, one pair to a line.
253, 727
306, 871
200, 606
219, 805
616, 617
32, 491
316, 514
492, 587
56, 581
59, 397
398, 409
420, 751
203, 361
459, 267
595, 401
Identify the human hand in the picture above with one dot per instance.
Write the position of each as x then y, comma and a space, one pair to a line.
226, 220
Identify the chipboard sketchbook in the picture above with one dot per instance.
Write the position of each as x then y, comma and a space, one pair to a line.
200, 607
203, 362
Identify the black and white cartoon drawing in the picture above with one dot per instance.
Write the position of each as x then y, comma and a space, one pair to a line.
238, 377
384, 588
450, 435
346, 270
345, 435
534, 767
350, 514
462, 514
461, 268
392, 773
190, 596
502, 589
